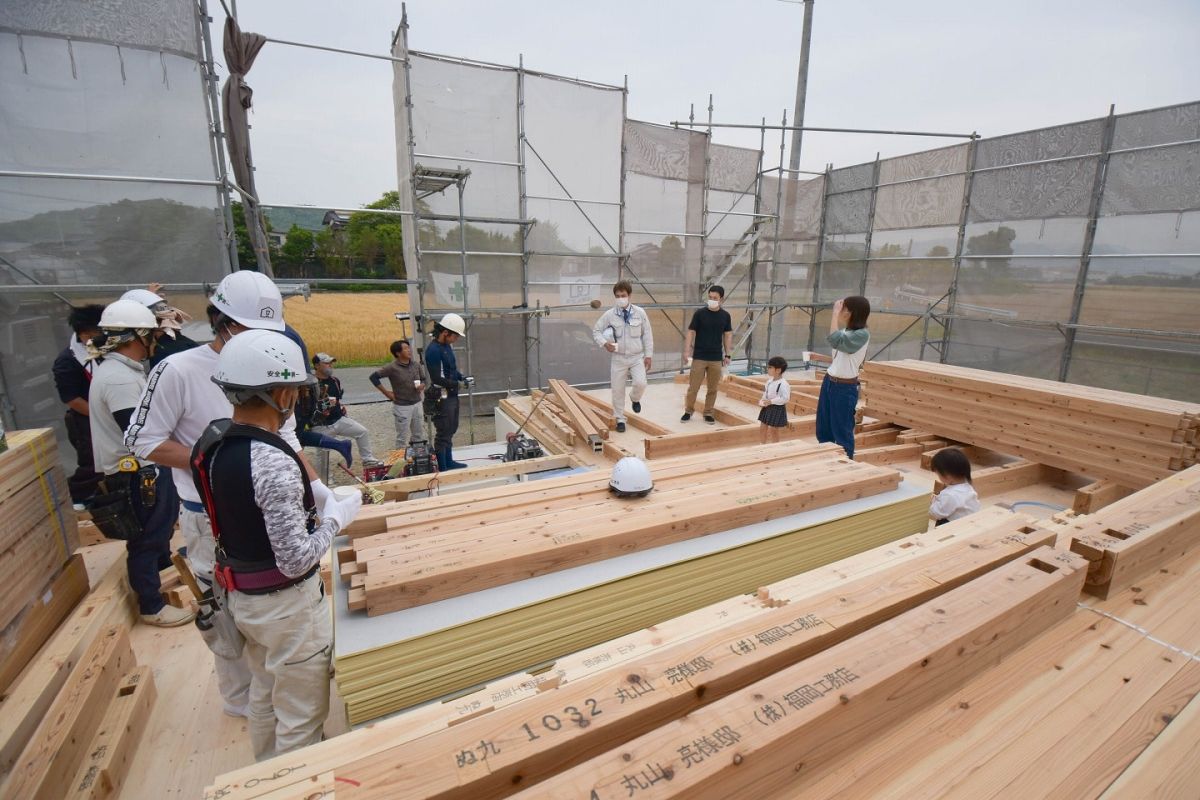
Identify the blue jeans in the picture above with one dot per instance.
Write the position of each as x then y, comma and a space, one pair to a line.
146, 554
835, 414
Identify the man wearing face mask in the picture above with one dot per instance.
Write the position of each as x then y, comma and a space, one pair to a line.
624, 331
136, 501
268, 541
709, 342
179, 402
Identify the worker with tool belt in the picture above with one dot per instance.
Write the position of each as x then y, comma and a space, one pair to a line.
136, 501
179, 402
268, 541
445, 379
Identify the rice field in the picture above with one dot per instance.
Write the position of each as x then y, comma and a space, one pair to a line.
354, 327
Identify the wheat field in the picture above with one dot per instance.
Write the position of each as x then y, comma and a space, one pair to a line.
355, 328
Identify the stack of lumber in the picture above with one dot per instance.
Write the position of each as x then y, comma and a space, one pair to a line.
1132, 440
420, 562
581, 417
394, 661
70, 720
38, 537
632, 685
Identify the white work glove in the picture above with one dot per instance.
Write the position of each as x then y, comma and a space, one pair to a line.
321, 494
344, 510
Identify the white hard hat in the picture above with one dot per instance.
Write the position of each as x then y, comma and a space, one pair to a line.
144, 296
454, 323
127, 315
251, 299
261, 359
631, 478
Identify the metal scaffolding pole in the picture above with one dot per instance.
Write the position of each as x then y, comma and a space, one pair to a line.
216, 132
762, 134
964, 212
820, 265
680, 123
775, 245
862, 284
1089, 238
522, 212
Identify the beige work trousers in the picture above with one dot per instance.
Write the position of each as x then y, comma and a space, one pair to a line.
709, 373
289, 646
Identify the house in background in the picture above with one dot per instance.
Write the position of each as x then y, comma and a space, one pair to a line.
280, 220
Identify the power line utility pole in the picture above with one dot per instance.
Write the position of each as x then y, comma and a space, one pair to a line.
801, 81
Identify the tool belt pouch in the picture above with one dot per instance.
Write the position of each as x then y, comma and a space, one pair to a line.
433, 399
113, 512
216, 626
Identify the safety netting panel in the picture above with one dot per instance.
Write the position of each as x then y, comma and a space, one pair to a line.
923, 189
664, 209
168, 25
564, 348
89, 108
1018, 350
464, 116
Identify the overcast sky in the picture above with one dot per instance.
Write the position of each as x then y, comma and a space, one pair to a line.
323, 123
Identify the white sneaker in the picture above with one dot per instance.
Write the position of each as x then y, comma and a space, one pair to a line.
79, 506
169, 617
236, 711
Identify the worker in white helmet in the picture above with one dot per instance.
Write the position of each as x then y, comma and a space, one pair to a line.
269, 542
446, 380
170, 323
179, 402
136, 500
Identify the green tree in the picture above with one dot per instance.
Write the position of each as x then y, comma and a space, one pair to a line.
296, 255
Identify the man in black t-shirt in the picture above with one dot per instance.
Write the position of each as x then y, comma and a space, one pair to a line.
72, 377
709, 340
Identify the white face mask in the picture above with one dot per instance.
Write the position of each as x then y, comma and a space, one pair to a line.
713, 305
622, 302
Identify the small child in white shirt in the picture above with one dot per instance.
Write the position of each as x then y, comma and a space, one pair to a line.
958, 498
774, 401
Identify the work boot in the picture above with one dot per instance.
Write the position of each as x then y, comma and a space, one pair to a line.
450, 462
710, 419
169, 617
441, 459
620, 427
637, 406
686, 416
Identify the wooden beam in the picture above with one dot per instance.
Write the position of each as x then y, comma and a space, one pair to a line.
24, 637
737, 436
111, 749
585, 422
1095, 496
839, 697
498, 470
1014, 475
1131, 538
889, 454
636, 420
47, 764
